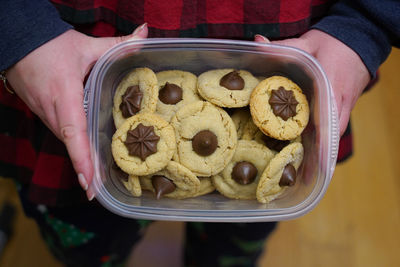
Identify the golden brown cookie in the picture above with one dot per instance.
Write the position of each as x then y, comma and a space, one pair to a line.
240, 177
279, 108
143, 144
240, 118
280, 173
226, 87
174, 181
136, 93
176, 89
206, 138
206, 186
133, 185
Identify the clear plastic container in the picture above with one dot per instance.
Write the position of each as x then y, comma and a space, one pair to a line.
320, 138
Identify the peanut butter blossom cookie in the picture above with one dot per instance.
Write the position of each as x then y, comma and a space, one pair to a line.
136, 93
206, 138
240, 177
174, 181
227, 87
279, 108
176, 89
144, 144
280, 173
206, 186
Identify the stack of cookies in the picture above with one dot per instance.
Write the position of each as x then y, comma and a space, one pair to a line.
181, 135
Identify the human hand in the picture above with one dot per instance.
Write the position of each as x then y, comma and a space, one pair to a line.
50, 81
343, 67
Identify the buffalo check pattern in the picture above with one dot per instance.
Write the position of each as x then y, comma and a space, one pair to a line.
36, 159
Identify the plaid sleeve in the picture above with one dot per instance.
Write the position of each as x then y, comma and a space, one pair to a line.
26, 25
34, 157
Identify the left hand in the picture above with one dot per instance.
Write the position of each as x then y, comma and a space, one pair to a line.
344, 68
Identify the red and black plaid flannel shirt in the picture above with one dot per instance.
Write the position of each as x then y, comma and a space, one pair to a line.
33, 156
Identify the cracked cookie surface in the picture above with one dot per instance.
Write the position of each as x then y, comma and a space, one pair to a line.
186, 183
270, 185
141, 84
176, 89
249, 162
206, 138
290, 126
144, 163
210, 88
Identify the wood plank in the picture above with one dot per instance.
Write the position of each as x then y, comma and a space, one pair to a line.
358, 221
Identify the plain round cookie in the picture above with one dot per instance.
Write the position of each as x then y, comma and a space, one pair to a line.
187, 184
208, 85
264, 117
134, 165
268, 188
146, 79
186, 81
250, 152
194, 118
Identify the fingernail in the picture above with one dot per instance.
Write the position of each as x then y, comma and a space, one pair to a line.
139, 29
259, 37
90, 194
82, 181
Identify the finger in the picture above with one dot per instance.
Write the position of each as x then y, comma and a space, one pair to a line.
72, 129
297, 43
261, 39
101, 45
344, 117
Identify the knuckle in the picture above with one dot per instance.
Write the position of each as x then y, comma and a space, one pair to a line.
68, 132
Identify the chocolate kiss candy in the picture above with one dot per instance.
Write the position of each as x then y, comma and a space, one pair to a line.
283, 103
162, 185
170, 94
288, 177
131, 101
204, 143
232, 81
244, 172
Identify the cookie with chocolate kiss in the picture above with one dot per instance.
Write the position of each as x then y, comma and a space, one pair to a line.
177, 89
228, 88
206, 138
174, 181
279, 108
136, 93
281, 173
143, 144
240, 177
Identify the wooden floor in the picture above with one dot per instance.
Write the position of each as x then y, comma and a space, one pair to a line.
357, 224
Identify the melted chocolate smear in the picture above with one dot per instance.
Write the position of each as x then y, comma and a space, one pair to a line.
131, 101
142, 141
283, 103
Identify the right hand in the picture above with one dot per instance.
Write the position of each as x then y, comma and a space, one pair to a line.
50, 81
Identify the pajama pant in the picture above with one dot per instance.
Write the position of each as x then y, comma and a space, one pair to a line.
90, 235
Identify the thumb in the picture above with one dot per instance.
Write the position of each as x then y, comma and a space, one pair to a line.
101, 45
